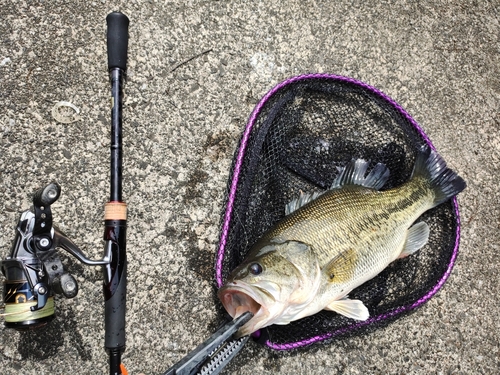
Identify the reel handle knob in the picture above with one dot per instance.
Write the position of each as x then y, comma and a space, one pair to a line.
47, 195
65, 284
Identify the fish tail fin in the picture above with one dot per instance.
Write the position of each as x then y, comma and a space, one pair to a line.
444, 182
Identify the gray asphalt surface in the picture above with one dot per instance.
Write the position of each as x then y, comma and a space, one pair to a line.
196, 69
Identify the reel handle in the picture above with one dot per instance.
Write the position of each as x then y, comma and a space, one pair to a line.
42, 199
117, 40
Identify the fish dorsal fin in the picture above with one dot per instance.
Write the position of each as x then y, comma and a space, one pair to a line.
304, 198
352, 308
354, 174
341, 268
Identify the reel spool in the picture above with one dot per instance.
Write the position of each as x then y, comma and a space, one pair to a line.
19, 299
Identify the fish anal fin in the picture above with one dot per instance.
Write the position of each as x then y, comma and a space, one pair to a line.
416, 237
351, 308
341, 268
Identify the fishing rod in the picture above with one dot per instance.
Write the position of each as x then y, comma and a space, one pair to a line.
115, 216
33, 270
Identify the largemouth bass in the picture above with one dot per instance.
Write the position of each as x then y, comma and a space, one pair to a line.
332, 242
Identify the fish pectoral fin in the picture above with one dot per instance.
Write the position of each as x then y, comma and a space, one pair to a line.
341, 268
352, 308
416, 237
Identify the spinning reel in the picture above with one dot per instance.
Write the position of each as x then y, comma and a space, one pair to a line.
33, 270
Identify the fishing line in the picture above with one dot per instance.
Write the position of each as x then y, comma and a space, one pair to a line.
18, 312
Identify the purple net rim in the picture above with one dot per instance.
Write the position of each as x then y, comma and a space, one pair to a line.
232, 197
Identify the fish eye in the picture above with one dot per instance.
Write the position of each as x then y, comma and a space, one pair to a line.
255, 269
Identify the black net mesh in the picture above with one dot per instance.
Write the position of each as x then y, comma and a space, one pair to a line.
302, 131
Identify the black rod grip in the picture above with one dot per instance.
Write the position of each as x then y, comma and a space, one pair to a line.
115, 284
117, 38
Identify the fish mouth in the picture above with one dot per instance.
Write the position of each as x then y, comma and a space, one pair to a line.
238, 299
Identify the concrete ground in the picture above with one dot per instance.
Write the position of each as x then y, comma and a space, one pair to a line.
196, 69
